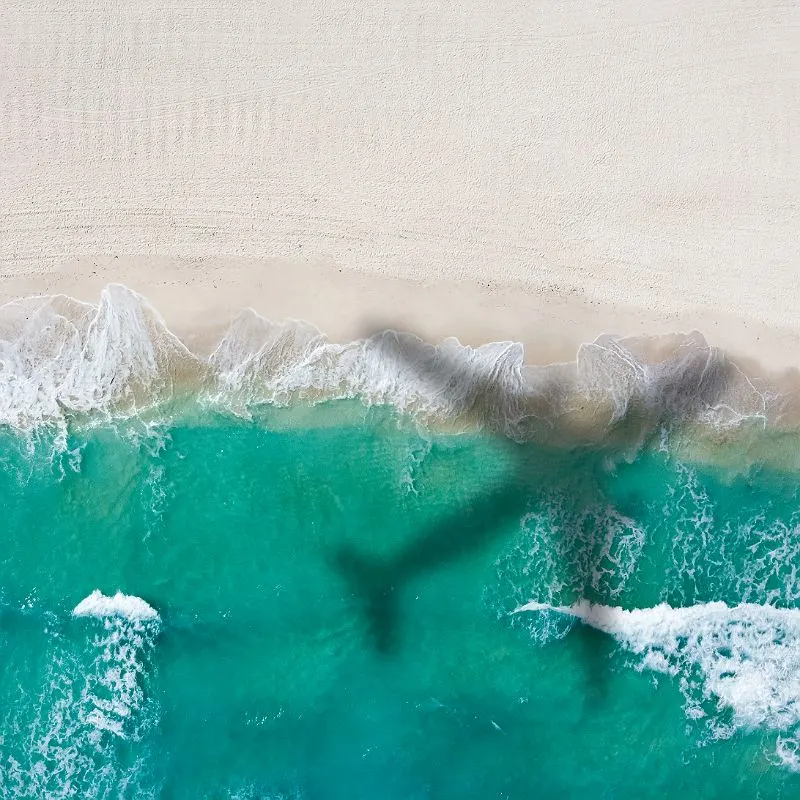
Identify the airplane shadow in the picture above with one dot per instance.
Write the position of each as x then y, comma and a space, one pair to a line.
376, 583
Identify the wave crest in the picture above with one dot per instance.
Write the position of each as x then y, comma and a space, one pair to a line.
129, 606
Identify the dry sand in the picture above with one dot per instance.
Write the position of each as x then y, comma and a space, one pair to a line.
537, 171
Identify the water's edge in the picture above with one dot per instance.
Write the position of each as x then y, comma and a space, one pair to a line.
63, 359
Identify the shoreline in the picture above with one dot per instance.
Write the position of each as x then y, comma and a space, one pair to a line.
199, 298
119, 354
531, 173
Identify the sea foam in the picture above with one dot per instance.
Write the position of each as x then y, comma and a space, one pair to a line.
88, 731
100, 605
737, 666
60, 357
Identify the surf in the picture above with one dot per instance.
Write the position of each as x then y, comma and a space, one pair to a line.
68, 359
744, 659
92, 703
409, 554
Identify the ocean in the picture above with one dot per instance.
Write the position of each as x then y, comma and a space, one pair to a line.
293, 569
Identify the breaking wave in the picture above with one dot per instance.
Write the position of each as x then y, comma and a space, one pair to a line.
94, 706
100, 605
62, 358
737, 667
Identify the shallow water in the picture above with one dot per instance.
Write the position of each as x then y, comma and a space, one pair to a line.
329, 604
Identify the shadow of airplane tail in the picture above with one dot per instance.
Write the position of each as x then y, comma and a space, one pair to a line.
372, 586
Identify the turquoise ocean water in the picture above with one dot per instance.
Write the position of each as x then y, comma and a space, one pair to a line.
341, 602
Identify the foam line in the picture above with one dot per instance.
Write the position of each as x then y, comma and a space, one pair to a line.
60, 357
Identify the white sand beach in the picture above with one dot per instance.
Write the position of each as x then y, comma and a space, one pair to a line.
541, 172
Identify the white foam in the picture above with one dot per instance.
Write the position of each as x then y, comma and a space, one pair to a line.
566, 549
744, 659
752, 557
60, 357
261, 362
100, 605
96, 695
113, 695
